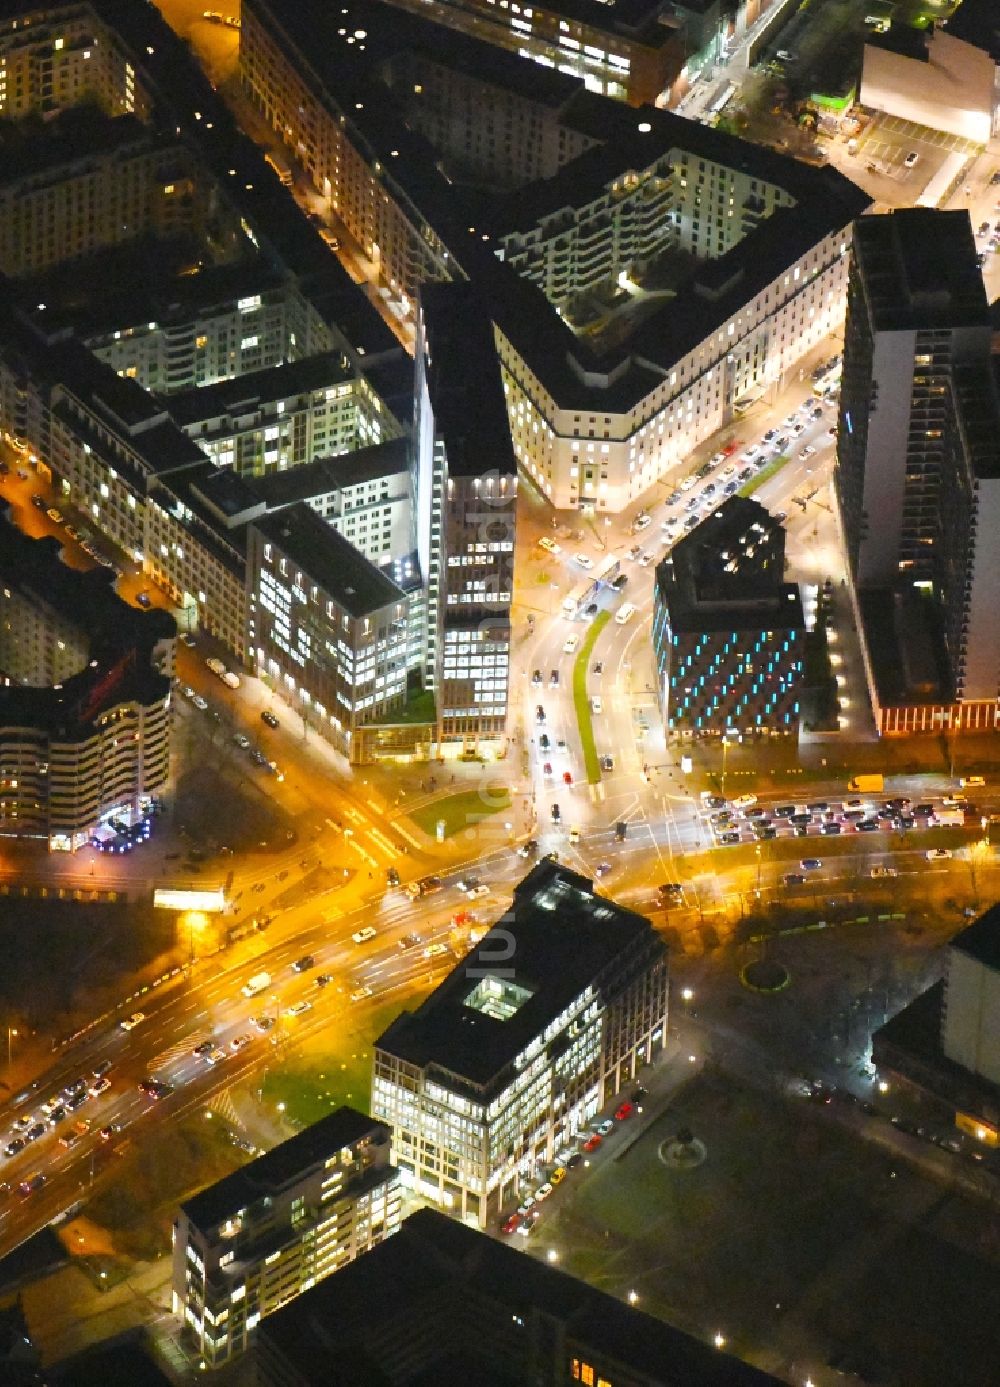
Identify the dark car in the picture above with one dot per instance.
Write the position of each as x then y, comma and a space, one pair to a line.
867, 826
793, 879
268, 717
29, 1186
35, 1131
556, 813
784, 811
301, 964
77, 1101
15, 1147
607, 763
528, 849
324, 979
544, 741
38, 502
144, 599
391, 876
155, 1088
620, 582
554, 679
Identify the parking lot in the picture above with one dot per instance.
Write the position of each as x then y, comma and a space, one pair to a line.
794, 1240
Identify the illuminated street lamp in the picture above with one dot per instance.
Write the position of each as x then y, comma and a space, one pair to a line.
633, 1297
719, 1340
687, 994
194, 920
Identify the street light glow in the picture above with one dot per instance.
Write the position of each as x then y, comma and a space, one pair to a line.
687, 994
720, 1339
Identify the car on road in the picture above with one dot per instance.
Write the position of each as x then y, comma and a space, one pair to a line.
242, 741
556, 813
109, 1132
567, 777
263, 1023
54, 514
570, 644
620, 582
911, 160
574, 834
793, 879
583, 561
623, 1111
268, 717
360, 993
554, 679
98, 1087
239, 1042
810, 864
511, 1225
144, 600
744, 801
597, 705
539, 712
592, 1142
301, 965
972, 782
299, 1009
831, 830
603, 869
38, 501
543, 1192
15, 1147
605, 1128
188, 640
730, 838
155, 1088
881, 873
435, 950
324, 979
29, 1186
607, 763
529, 848
215, 1056
477, 892
200, 703
938, 854
362, 936
129, 1023
204, 1049
549, 545
640, 523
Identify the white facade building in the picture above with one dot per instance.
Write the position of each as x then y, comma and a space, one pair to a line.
553, 1013
933, 79
970, 1030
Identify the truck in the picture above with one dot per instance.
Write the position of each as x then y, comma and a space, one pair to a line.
869, 783
949, 818
258, 983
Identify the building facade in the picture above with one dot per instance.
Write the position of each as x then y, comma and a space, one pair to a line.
970, 1022
918, 467
555, 1011
255, 1240
84, 697
467, 488
728, 631
328, 628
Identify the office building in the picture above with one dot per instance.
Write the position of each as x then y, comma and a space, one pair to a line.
466, 486
328, 628
84, 698
918, 467
442, 1303
728, 631
258, 1238
944, 1046
553, 1012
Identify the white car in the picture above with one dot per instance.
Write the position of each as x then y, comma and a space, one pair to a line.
362, 936
640, 523
360, 993
299, 1009
433, 950
477, 892
745, 801
549, 545
808, 450
912, 159
938, 854
130, 1022
200, 703
688, 483
582, 561
596, 705
645, 560
570, 644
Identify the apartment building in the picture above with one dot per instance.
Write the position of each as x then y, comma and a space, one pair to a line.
366, 496
89, 182
324, 625
467, 488
728, 631
84, 697
258, 1238
57, 56
918, 463
554, 1012
194, 330
443, 1303
268, 421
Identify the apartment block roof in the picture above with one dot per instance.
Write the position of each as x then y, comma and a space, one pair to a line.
332, 1334
284, 1165
82, 133
323, 475
564, 938
981, 939
330, 561
245, 394
919, 269
121, 638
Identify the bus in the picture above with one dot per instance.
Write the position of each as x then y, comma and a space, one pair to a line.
578, 597
608, 572
943, 184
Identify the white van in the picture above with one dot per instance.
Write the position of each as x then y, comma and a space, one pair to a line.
625, 613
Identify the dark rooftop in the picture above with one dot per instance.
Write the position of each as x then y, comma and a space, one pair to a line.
566, 936
728, 573
121, 638
919, 270
903, 39
322, 475
283, 1165
333, 1333
245, 394
464, 381
977, 22
330, 561
72, 135
981, 940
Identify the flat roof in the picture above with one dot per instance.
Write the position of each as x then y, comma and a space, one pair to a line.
729, 573
84, 131
244, 394
564, 936
435, 1262
981, 939
331, 561
326, 474
464, 381
121, 638
283, 1165
919, 270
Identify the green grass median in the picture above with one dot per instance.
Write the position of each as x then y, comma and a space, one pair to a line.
463, 810
764, 475
581, 701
